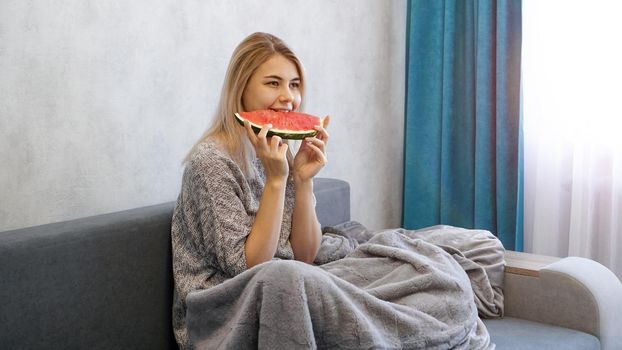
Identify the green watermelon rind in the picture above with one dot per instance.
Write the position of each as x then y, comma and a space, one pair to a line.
284, 134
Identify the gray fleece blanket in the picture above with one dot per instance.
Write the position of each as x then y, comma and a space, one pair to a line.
389, 289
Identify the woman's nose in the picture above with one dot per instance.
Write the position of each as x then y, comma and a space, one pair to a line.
286, 95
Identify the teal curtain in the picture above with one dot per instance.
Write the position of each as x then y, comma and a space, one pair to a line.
462, 164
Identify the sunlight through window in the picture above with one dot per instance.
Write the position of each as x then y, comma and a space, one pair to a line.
572, 115
572, 71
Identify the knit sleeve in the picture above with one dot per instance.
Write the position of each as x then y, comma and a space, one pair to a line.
224, 218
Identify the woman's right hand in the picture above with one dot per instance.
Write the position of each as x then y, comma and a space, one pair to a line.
272, 152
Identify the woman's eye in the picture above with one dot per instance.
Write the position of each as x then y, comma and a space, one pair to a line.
295, 85
273, 83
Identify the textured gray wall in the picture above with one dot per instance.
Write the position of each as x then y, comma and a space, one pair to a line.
100, 100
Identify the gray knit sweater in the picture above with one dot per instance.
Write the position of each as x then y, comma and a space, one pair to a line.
214, 213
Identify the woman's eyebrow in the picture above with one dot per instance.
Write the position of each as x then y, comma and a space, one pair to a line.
279, 78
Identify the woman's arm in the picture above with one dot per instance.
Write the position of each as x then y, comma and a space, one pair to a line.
306, 235
263, 240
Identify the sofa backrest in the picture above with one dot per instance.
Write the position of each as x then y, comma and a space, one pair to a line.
103, 282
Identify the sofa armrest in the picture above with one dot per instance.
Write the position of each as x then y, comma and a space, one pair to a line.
333, 201
573, 292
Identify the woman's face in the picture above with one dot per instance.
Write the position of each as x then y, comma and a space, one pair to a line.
274, 85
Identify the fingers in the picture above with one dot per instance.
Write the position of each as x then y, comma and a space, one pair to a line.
260, 139
262, 134
272, 151
264, 130
322, 133
317, 142
283, 149
319, 152
275, 143
318, 146
279, 146
326, 121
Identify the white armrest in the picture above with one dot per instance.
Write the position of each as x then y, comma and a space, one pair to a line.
573, 292
604, 288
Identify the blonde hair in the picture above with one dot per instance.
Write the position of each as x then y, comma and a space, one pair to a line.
251, 53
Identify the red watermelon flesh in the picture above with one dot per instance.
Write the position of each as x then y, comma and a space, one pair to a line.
288, 125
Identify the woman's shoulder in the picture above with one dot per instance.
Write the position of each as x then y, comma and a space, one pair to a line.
208, 157
208, 151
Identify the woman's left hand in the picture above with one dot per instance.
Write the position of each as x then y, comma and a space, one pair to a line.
311, 156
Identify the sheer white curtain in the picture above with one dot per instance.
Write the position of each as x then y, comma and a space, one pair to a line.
572, 110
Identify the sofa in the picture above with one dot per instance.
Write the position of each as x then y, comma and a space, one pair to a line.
105, 282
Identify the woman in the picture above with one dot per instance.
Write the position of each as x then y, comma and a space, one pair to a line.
245, 198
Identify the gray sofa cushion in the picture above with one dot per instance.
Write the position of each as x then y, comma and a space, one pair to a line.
103, 282
517, 334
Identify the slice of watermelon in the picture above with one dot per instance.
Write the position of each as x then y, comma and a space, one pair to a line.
287, 125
